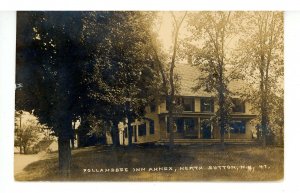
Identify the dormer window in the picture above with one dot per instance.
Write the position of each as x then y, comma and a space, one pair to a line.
238, 105
207, 105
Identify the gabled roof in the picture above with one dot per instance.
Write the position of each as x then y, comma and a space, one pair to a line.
188, 75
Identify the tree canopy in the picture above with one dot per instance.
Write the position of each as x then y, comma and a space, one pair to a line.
261, 53
108, 66
212, 33
72, 64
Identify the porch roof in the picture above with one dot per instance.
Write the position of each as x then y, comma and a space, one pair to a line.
208, 115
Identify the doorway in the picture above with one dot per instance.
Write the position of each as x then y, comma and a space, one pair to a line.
206, 129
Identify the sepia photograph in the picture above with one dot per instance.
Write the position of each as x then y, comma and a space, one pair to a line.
149, 96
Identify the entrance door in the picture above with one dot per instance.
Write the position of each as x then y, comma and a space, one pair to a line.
189, 128
206, 130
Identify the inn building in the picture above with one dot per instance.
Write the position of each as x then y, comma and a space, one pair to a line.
194, 121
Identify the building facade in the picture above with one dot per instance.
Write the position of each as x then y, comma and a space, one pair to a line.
195, 118
195, 121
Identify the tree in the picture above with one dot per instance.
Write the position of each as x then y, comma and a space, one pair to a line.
92, 131
166, 71
262, 54
49, 69
211, 35
122, 72
27, 132
276, 118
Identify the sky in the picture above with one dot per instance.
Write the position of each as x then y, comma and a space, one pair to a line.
164, 28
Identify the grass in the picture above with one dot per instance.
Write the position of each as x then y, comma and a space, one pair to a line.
188, 163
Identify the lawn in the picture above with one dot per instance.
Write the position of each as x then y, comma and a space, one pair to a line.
158, 163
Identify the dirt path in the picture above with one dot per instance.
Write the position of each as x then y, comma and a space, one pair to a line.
21, 161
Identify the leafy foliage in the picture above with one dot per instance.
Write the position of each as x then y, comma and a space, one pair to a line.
169, 79
122, 80
27, 132
49, 60
261, 52
238, 46
212, 33
72, 65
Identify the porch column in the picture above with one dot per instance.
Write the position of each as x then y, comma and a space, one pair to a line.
166, 121
199, 128
137, 130
127, 137
211, 131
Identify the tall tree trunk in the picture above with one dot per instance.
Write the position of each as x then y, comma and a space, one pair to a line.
171, 122
222, 138
73, 135
263, 105
64, 155
64, 149
170, 96
104, 138
171, 127
172, 84
222, 121
222, 105
24, 149
115, 135
264, 121
130, 130
72, 143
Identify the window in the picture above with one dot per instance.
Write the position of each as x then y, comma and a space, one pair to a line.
175, 123
188, 104
207, 104
151, 125
238, 127
183, 125
152, 106
142, 129
238, 106
180, 125
189, 125
178, 101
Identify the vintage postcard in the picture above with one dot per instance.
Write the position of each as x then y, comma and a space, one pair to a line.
149, 96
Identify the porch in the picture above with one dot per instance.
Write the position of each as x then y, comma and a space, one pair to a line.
209, 141
189, 128
193, 127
